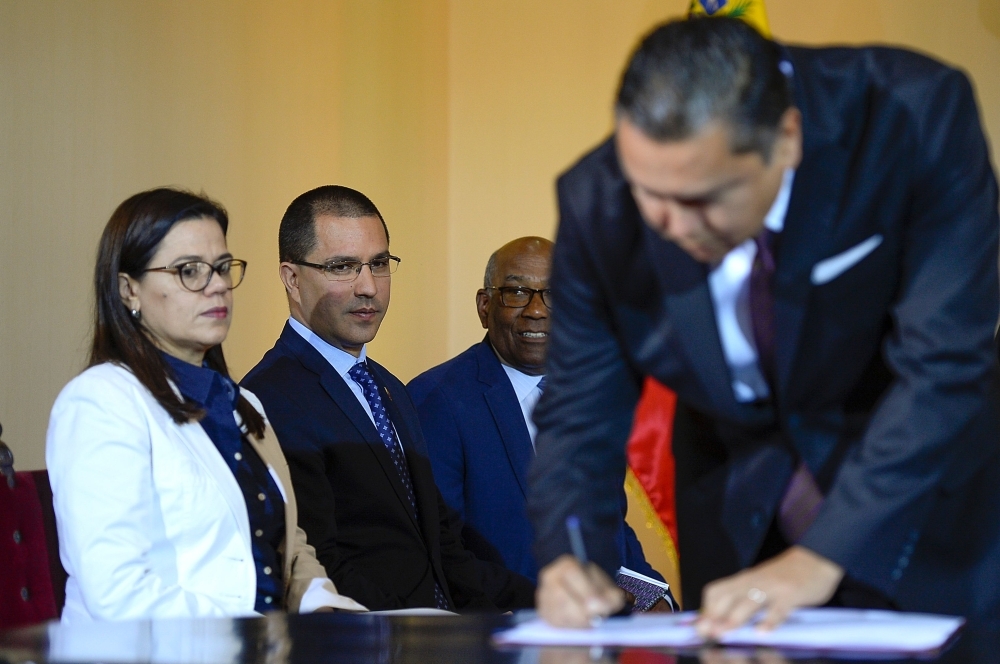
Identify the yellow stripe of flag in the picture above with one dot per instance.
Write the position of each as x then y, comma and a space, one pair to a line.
750, 11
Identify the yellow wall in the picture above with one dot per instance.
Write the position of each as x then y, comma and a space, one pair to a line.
453, 115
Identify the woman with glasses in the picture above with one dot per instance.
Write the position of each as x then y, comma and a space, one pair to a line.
171, 494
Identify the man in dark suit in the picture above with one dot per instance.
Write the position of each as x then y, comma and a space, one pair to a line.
802, 243
352, 438
475, 412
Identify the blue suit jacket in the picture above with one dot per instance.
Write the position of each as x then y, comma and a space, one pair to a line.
886, 302
480, 450
352, 503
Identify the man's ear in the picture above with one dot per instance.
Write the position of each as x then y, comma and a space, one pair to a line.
290, 278
788, 145
128, 291
483, 307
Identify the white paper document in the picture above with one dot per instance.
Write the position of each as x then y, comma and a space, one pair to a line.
416, 611
811, 629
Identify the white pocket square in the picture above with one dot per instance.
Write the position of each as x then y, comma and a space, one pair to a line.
830, 268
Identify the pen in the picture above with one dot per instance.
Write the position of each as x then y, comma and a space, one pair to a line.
579, 551
576, 539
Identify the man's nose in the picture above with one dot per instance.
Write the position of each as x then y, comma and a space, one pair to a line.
536, 307
365, 283
671, 220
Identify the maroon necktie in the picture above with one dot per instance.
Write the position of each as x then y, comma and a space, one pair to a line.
762, 304
803, 499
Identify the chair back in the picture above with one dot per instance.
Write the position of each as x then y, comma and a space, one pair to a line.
6, 462
33, 582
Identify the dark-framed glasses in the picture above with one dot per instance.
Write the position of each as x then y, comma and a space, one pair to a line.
197, 275
382, 266
519, 296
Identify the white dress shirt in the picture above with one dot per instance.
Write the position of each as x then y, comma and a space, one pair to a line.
729, 283
528, 394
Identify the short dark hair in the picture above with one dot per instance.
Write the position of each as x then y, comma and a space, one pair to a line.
688, 72
128, 243
491, 270
297, 232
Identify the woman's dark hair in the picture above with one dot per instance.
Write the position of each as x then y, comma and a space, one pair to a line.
128, 243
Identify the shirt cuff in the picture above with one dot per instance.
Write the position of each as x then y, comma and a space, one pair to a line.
320, 593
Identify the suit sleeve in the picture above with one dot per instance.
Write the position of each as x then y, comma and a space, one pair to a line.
105, 527
634, 558
478, 585
585, 414
309, 588
936, 424
315, 499
462, 570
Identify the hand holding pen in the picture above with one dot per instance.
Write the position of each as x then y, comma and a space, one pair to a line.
574, 592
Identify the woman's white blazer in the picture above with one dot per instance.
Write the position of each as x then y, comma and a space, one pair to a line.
151, 521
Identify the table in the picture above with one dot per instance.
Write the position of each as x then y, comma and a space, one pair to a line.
344, 638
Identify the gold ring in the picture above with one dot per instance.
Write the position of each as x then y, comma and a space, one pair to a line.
757, 595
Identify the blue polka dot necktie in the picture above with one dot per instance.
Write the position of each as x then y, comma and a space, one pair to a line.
359, 372
541, 384
363, 377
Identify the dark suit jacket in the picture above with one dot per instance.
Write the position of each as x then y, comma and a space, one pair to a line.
480, 451
886, 378
352, 504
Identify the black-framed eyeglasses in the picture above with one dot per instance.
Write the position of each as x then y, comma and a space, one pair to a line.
349, 270
197, 275
519, 296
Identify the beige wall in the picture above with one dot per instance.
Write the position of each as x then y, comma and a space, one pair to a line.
453, 115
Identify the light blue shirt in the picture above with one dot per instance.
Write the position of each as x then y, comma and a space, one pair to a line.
527, 392
729, 283
339, 360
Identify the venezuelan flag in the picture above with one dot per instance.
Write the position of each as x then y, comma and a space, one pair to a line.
649, 481
751, 11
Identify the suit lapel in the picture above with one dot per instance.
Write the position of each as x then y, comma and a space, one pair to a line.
336, 388
688, 301
809, 223
425, 491
425, 496
805, 240
507, 414
342, 395
344, 399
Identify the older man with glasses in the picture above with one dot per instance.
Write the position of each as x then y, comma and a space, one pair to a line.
476, 409
350, 433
